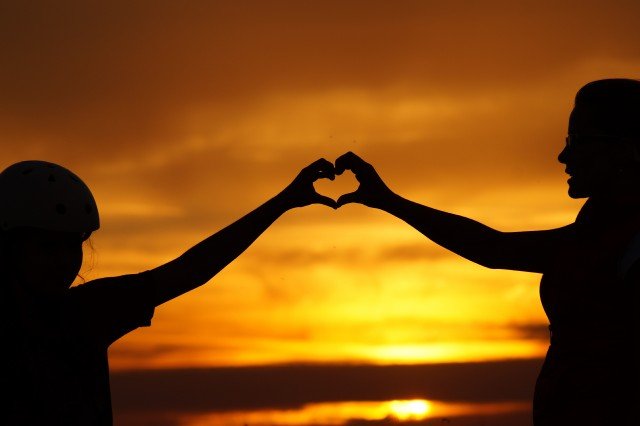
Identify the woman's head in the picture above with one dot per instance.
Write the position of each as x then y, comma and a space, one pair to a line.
46, 212
602, 154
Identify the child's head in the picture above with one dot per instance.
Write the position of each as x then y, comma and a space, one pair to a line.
46, 212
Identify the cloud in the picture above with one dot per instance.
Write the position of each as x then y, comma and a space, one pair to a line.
350, 256
129, 75
292, 386
500, 419
210, 106
532, 331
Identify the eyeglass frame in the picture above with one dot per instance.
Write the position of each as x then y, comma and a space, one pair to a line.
578, 136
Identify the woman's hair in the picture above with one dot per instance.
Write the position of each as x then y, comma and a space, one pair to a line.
616, 102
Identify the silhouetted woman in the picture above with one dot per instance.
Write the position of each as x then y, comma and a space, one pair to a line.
590, 287
55, 338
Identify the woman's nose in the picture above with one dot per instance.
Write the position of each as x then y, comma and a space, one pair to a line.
562, 157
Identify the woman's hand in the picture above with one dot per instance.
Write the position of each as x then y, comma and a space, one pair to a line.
301, 192
372, 192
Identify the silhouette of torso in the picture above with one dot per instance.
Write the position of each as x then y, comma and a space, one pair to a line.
58, 371
589, 371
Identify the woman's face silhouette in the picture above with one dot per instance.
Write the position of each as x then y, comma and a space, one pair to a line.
593, 159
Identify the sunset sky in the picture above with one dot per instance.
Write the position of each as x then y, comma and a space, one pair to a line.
184, 116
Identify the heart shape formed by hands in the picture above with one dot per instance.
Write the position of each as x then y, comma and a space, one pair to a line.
342, 184
367, 188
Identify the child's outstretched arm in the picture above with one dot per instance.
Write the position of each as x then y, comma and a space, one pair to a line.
204, 260
522, 251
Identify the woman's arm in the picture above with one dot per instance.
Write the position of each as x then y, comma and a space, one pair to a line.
201, 262
521, 251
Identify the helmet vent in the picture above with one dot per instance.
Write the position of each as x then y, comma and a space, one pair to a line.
52, 178
61, 208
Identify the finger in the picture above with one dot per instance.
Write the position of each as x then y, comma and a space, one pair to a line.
344, 162
352, 197
322, 199
348, 161
325, 175
321, 168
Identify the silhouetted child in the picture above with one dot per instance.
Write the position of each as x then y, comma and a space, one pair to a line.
55, 337
590, 287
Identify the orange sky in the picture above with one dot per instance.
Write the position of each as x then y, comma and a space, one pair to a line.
183, 116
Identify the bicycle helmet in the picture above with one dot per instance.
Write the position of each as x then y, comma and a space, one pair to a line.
45, 195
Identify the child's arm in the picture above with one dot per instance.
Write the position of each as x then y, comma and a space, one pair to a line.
522, 251
204, 260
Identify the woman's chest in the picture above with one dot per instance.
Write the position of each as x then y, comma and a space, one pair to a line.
583, 282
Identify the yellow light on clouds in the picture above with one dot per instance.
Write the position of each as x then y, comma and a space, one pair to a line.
340, 413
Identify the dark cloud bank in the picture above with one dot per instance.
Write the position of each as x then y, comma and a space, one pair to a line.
293, 386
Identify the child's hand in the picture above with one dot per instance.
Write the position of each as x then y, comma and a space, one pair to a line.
301, 192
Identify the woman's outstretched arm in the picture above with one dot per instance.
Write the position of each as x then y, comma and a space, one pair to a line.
204, 260
521, 251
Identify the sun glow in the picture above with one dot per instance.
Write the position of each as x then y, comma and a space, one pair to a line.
342, 413
414, 409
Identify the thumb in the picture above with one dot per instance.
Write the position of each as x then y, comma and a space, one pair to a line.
327, 201
352, 197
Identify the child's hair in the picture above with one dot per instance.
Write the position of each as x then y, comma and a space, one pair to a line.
91, 252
